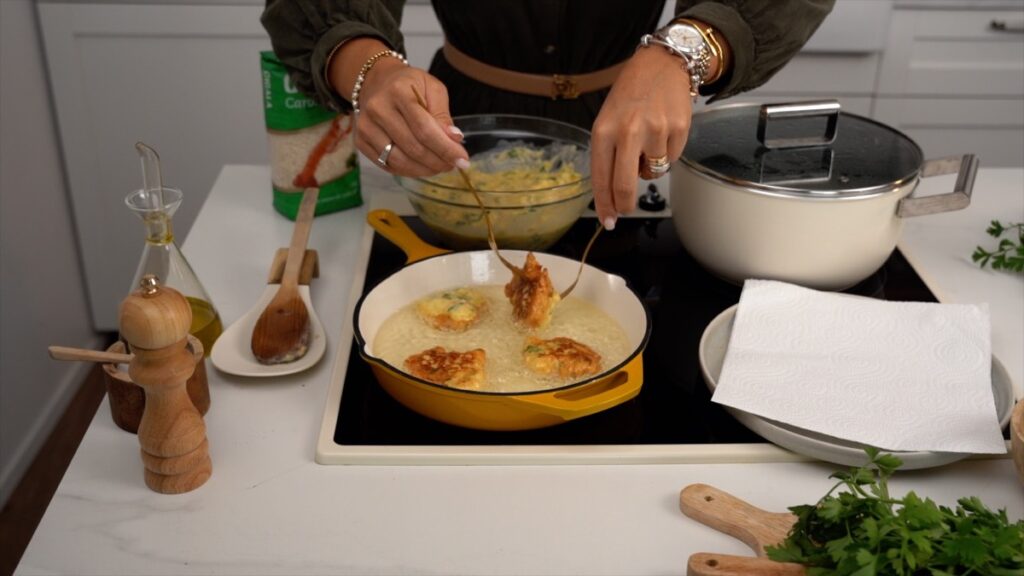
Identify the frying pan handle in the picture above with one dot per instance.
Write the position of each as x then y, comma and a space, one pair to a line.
589, 399
391, 226
728, 514
705, 564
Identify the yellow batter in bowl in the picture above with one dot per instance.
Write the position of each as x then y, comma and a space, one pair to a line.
532, 174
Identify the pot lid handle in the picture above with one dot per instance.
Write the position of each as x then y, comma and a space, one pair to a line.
827, 108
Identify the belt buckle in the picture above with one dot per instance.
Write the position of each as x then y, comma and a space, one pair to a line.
564, 87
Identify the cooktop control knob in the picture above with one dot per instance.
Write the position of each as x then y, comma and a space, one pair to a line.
652, 200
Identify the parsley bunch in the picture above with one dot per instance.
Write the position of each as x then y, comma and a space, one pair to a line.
864, 531
1008, 254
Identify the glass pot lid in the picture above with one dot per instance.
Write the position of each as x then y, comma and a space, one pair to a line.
807, 149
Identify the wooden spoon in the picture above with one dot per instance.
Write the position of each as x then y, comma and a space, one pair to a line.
282, 331
86, 355
751, 525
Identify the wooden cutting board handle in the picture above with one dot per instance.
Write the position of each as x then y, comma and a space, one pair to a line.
726, 513
705, 564
751, 525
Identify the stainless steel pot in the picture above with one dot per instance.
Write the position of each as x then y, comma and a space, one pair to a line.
760, 192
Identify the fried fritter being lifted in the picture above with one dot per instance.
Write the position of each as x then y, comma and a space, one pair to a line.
463, 370
562, 357
532, 295
452, 310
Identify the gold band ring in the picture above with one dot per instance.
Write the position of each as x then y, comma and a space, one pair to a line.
658, 165
383, 158
651, 168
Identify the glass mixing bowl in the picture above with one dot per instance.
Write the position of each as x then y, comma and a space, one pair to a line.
532, 174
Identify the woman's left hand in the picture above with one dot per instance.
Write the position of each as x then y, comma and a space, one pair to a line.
645, 117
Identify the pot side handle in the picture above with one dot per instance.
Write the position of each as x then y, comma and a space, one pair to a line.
391, 226
966, 168
591, 399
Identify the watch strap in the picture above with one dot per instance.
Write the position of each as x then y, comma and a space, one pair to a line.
716, 46
696, 65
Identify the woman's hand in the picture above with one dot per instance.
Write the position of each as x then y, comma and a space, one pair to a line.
424, 141
646, 115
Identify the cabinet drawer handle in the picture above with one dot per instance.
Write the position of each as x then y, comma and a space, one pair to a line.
1004, 26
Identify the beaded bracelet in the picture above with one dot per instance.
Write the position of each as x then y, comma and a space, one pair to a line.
366, 70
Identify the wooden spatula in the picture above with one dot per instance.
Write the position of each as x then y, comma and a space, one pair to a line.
751, 525
85, 355
282, 331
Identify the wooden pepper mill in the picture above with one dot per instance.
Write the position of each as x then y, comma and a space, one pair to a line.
154, 321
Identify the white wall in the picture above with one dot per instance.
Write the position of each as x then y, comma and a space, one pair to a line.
42, 292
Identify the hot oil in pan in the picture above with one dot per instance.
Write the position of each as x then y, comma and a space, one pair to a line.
673, 406
404, 333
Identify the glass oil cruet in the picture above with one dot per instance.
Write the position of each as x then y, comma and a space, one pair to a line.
155, 205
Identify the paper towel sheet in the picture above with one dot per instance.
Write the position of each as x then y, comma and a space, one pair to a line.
895, 375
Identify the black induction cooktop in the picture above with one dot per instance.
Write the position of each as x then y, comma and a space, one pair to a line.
673, 406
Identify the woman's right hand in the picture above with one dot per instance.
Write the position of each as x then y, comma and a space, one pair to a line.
424, 141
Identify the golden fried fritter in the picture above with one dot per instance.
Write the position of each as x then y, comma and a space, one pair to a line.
456, 369
452, 310
560, 356
532, 295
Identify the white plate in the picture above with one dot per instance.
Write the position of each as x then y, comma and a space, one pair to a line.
713, 344
232, 352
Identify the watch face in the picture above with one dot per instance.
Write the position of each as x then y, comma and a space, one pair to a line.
686, 37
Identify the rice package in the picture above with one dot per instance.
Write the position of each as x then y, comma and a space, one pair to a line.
310, 146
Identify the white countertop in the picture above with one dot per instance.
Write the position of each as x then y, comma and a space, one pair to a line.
939, 247
270, 509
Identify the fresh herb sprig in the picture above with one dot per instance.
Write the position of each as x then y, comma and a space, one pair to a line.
1008, 254
864, 531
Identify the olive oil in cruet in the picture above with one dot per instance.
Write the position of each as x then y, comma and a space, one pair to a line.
155, 205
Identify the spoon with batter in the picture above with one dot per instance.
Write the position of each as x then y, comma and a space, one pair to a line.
517, 272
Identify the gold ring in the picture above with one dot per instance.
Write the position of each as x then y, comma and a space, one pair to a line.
659, 165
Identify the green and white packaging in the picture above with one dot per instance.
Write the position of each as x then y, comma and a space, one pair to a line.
309, 146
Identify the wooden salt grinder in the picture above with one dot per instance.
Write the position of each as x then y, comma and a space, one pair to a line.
155, 321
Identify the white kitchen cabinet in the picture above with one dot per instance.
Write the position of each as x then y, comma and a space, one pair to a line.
825, 74
993, 129
423, 35
949, 53
183, 79
182, 76
953, 80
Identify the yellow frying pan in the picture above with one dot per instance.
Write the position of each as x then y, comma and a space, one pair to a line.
429, 269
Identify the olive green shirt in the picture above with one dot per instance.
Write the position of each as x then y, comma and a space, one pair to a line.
539, 37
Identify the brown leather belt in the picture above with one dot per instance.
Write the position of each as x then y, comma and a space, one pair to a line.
556, 86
